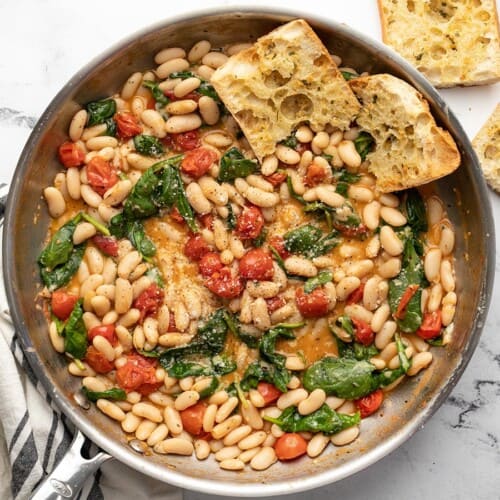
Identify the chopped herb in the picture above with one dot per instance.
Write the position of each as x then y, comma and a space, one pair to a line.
233, 165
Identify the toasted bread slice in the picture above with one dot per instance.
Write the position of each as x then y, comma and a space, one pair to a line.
410, 148
487, 147
452, 42
286, 78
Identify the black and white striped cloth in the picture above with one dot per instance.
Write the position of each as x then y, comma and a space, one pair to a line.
34, 435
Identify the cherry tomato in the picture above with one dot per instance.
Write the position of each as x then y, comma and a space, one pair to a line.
176, 216
172, 327
364, 333
249, 223
101, 175
277, 178
127, 125
97, 361
197, 162
209, 264
315, 174
62, 303
289, 446
185, 141
70, 155
356, 296
269, 392
278, 243
106, 331
192, 418
149, 301
405, 299
257, 264
196, 247
350, 231
369, 404
275, 303
194, 96
207, 220
223, 284
312, 305
138, 374
431, 325
106, 244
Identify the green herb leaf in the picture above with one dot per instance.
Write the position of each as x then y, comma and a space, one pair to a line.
60, 245
348, 75
214, 385
114, 393
100, 111
62, 274
233, 165
235, 328
363, 144
290, 141
75, 333
308, 240
181, 369
415, 211
322, 278
157, 93
110, 127
231, 218
148, 145
223, 364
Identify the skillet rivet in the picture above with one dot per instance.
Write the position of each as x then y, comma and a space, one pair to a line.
138, 446
81, 400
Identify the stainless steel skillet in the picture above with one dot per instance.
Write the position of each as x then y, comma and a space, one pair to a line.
26, 223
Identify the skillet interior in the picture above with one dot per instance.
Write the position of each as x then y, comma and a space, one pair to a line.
408, 407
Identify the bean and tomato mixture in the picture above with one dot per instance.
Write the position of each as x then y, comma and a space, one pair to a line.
215, 305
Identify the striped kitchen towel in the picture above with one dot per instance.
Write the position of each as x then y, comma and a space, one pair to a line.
34, 435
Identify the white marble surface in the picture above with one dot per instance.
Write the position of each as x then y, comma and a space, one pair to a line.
457, 454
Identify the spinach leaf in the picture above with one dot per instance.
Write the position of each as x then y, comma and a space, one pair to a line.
110, 127
157, 93
415, 211
75, 333
60, 245
100, 227
155, 275
148, 145
308, 240
62, 274
348, 75
222, 364
290, 141
263, 371
235, 328
345, 323
183, 75
363, 144
183, 205
355, 350
114, 393
121, 227
342, 175
261, 239
323, 420
412, 273
231, 218
292, 192
207, 89
181, 369
214, 384
100, 111
342, 188
233, 165
322, 278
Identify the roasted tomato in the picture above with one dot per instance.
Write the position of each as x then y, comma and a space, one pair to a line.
356, 296
410, 291
176, 215
106, 331
101, 175
224, 284
277, 178
249, 223
312, 305
127, 125
315, 174
289, 446
209, 264
275, 303
70, 155
363, 332
138, 374
97, 361
196, 247
197, 162
106, 244
431, 325
269, 392
62, 303
278, 243
370, 403
257, 264
149, 301
192, 418
185, 141
207, 220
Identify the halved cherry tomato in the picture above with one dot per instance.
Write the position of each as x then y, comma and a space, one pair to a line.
369, 404
210, 263
277, 178
315, 174
275, 303
172, 327
207, 220
192, 418
351, 231
101, 175
364, 333
278, 243
197, 162
176, 216
312, 305
138, 374
97, 361
185, 141
62, 303
196, 247
257, 264
289, 446
127, 125
106, 331
194, 96
269, 392
356, 296
431, 325
70, 155
410, 291
149, 301
106, 244
249, 223
224, 284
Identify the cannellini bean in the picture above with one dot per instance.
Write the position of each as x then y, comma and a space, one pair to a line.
214, 59
392, 216
390, 241
140, 162
186, 86
116, 194
317, 444
227, 453
380, 317
110, 409
209, 110
419, 362
83, 231
300, 266
171, 66
446, 276
261, 198
226, 409
123, 296
186, 399
182, 123
56, 339
432, 264
55, 201
101, 142
169, 54
174, 446
287, 155
252, 441
90, 197
232, 464
315, 399
213, 190
224, 428
360, 193
346, 286
389, 200
348, 154
291, 398
201, 449
345, 437
330, 197
447, 241
371, 215
264, 458
390, 268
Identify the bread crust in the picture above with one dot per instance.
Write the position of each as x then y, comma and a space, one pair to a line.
285, 79
452, 42
410, 148
486, 144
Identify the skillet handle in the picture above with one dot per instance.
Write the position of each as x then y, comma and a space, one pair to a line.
66, 480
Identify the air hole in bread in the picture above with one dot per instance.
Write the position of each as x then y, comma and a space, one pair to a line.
422, 120
437, 52
491, 152
297, 106
322, 60
483, 15
410, 5
444, 10
275, 79
483, 40
250, 120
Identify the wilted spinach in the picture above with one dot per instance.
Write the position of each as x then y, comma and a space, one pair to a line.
322, 278
99, 111
363, 144
148, 145
348, 75
75, 333
233, 165
235, 328
157, 93
114, 393
415, 211
308, 240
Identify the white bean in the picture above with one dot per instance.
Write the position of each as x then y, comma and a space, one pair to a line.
55, 201
390, 241
209, 110
182, 123
348, 154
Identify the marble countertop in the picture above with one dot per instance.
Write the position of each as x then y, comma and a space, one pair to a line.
457, 454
